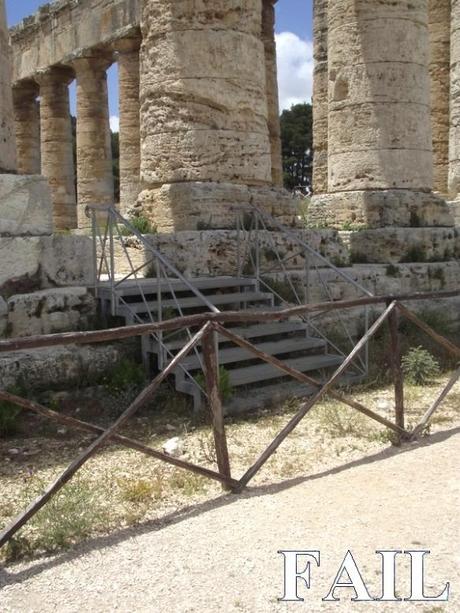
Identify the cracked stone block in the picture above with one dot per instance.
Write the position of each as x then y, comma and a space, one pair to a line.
50, 311
25, 206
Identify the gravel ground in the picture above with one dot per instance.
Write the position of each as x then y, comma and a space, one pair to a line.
222, 555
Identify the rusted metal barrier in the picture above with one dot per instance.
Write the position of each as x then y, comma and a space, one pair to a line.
211, 324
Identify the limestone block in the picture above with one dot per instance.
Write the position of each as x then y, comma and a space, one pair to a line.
3, 316
50, 311
199, 205
66, 260
8, 161
177, 15
58, 367
19, 264
214, 252
25, 206
454, 208
392, 245
374, 209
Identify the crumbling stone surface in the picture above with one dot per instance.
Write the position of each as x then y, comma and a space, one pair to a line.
174, 207
50, 311
393, 245
8, 162
66, 260
58, 367
25, 207
378, 209
3, 316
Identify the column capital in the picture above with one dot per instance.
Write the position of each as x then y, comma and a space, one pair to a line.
93, 63
127, 45
56, 74
25, 89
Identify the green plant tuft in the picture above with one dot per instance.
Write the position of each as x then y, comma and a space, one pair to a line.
9, 414
124, 375
225, 387
420, 367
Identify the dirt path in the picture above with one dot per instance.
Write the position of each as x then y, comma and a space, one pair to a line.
222, 556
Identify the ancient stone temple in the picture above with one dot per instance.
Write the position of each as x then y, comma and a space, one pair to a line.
200, 143
199, 114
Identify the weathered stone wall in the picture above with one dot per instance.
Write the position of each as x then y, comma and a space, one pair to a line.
8, 161
439, 28
65, 29
320, 96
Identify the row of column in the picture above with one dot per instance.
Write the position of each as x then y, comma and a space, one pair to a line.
44, 133
387, 96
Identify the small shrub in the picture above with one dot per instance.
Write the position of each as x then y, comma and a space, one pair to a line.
124, 375
392, 271
9, 414
140, 491
420, 367
73, 514
225, 387
139, 223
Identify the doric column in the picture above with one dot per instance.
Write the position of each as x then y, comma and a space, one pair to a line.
439, 28
320, 95
94, 150
129, 110
454, 137
380, 155
56, 144
8, 163
204, 113
27, 124
268, 38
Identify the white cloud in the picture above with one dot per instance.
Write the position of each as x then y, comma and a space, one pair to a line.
115, 123
295, 69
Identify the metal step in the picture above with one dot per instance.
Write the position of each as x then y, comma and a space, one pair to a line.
131, 287
280, 347
191, 302
248, 332
265, 372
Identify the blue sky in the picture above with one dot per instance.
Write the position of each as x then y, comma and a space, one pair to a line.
294, 28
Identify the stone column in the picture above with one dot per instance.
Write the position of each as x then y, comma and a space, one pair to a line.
268, 38
8, 162
94, 151
320, 95
439, 28
380, 154
454, 136
204, 113
27, 124
57, 145
129, 109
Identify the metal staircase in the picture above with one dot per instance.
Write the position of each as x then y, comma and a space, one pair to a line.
288, 340
157, 291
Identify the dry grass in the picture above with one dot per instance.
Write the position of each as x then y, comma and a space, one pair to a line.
120, 487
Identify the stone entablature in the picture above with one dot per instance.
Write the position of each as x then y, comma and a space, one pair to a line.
66, 29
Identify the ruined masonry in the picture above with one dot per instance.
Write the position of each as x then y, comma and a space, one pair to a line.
200, 136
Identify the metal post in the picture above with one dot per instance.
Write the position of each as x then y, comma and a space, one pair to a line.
238, 244
110, 221
95, 266
307, 265
159, 316
257, 247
